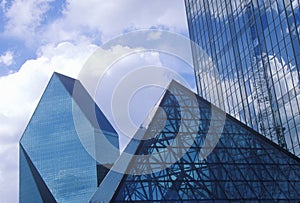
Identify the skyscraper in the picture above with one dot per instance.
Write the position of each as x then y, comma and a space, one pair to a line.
54, 165
253, 49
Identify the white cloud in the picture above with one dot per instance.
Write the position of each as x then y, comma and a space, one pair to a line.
24, 17
91, 18
3, 4
117, 15
154, 36
7, 58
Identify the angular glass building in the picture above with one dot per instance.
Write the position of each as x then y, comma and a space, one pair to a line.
190, 151
54, 165
167, 167
253, 49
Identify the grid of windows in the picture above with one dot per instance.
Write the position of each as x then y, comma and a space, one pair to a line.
51, 142
254, 47
54, 165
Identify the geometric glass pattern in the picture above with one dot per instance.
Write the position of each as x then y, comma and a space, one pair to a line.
27, 183
243, 166
54, 165
253, 57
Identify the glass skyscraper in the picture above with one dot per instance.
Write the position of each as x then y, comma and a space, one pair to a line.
54, 165
253, 62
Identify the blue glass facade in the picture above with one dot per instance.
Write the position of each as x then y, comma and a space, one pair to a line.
27, 182
254, 46
54, 165
243, 167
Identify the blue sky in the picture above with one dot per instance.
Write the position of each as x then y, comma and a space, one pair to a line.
39, 37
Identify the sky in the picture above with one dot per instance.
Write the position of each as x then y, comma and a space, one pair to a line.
40, 37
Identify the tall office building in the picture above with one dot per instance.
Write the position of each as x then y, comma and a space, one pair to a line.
252, 62
54, 165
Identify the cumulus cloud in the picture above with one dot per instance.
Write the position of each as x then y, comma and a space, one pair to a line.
7, 58
102, 20
24, 17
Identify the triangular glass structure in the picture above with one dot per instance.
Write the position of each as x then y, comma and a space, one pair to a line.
243, 166
44, 192
53, 148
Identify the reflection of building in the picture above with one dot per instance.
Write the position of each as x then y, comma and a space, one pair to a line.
54, 166
254, 47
